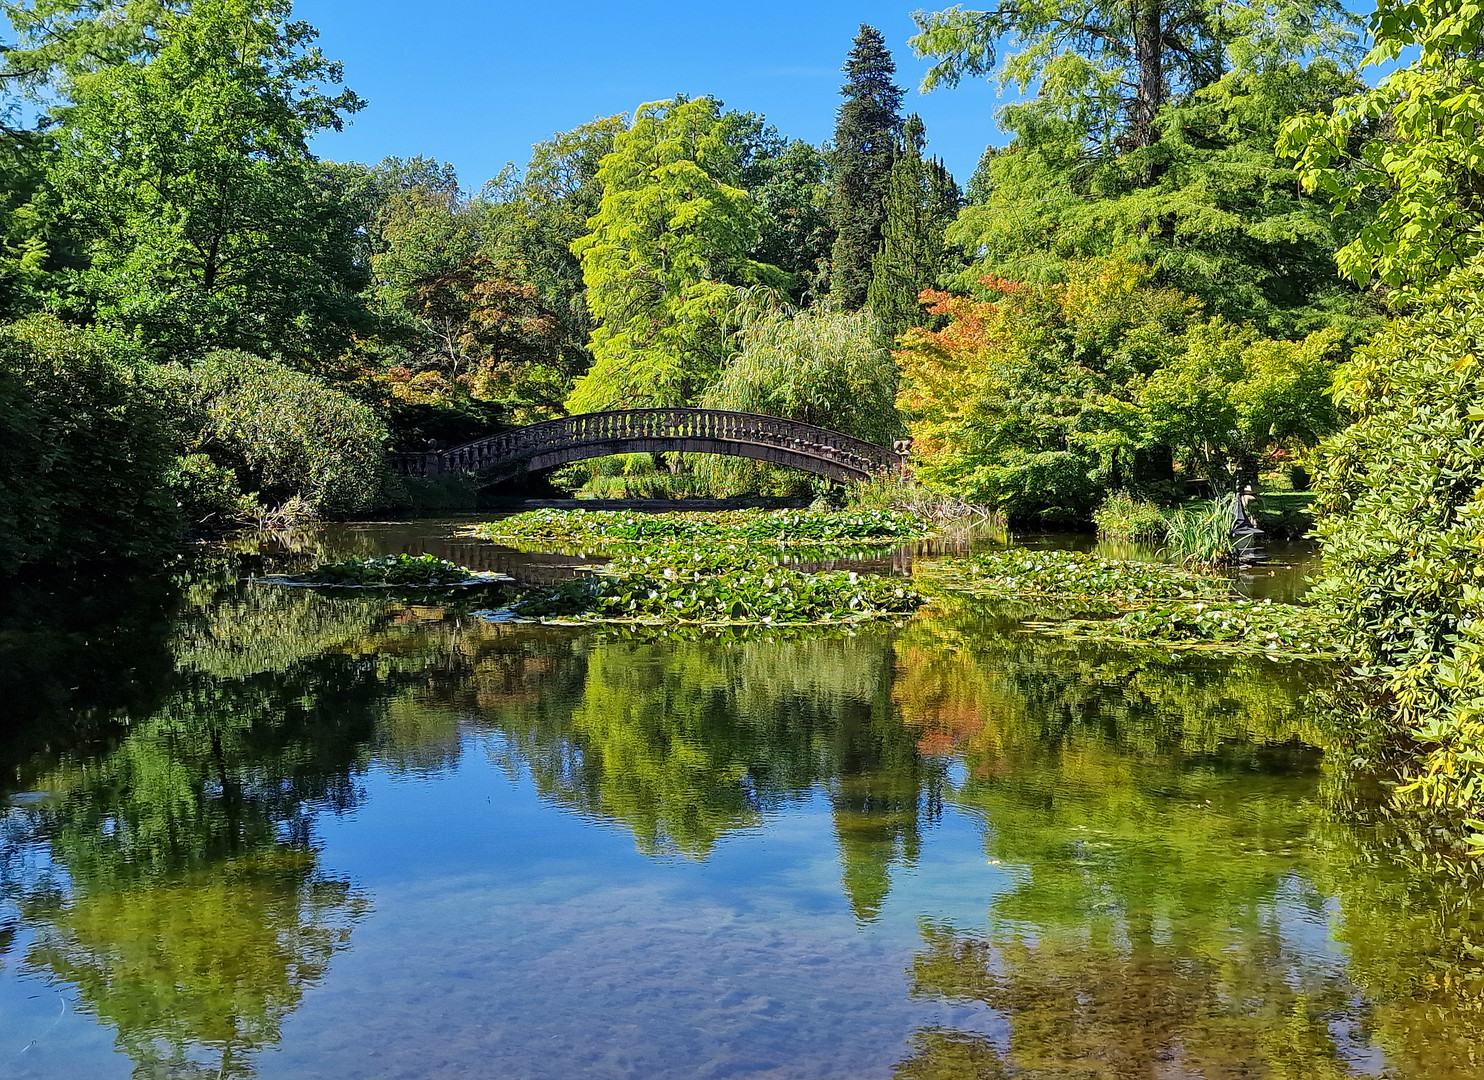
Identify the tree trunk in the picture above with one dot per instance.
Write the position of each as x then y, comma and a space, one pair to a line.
1149, 54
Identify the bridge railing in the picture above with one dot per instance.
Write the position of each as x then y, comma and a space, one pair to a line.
525, 443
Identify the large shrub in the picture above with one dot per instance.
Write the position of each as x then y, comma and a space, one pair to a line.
283, 433
1402, 499
84, 452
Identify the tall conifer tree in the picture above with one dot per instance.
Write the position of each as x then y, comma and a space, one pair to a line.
921, 200
867, 129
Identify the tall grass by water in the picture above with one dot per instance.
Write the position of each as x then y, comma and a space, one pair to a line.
1194, 535
1200, 534
1122, 517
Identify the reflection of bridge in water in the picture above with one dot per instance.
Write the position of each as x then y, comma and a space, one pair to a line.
552, 443
552, 568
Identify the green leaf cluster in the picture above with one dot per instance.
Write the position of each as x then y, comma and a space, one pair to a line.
180, 195
1406, 153
778, 527
402, 569
664, 256
1042, 399
1210, 207
631, 591
820, 366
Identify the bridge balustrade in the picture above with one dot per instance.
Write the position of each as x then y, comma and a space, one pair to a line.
712, 426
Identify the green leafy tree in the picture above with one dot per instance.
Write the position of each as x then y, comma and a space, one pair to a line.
468, 327
1023, 400
532, 222
867, 130
1406, 151
24, 251
1040, 399
1224, 219
921, 202
1104, 72
1399, 489
796, 235
664, 257
199, 218
1403, 535
1150, 135
821, 366
56, 40
1228, 395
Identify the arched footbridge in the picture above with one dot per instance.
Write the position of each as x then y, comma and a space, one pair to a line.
539, 447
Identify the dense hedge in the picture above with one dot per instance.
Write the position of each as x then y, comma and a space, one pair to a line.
85, 454
1402, 504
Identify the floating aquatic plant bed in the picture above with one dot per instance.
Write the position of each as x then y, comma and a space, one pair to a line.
1084, 580
619, 530
646, 595
1134, 603
713, 571
388, 572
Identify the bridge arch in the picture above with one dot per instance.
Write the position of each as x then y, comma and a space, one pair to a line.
539, 447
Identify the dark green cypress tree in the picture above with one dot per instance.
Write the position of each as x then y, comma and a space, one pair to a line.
867, 129
921, 200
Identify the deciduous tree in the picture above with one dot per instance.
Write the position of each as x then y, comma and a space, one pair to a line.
665, 254
200, 217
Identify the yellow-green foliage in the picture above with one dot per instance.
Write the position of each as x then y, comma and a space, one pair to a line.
1122, 517
823, 366
667, 248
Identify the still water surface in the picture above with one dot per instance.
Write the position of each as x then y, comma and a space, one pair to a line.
257, 832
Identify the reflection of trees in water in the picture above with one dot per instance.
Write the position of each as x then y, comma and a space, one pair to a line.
1172, 848
77, 656
1112, 1005
1166, 828
1412, 927
685, 741
180, 891
970, 676
232, 628
198, 971
172, 877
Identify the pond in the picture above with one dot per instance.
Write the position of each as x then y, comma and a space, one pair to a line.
270, 832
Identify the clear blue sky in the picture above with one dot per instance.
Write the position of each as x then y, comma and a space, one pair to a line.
476, 83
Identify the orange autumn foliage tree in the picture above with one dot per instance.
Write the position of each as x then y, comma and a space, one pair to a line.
1041, 399
1026, 398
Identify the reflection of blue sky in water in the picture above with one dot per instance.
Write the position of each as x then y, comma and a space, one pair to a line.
546, 947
